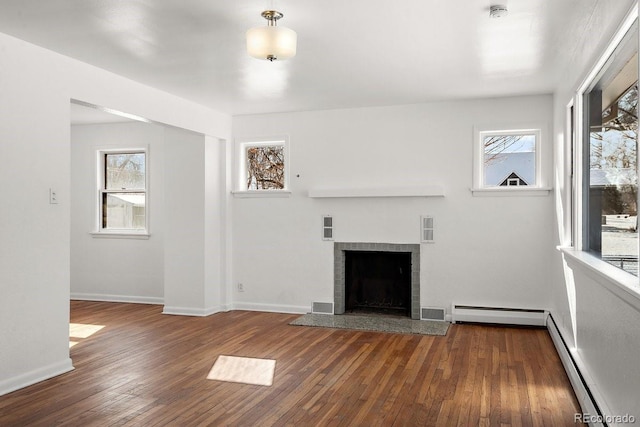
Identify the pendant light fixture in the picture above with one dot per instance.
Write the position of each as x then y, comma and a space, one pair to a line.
271, 42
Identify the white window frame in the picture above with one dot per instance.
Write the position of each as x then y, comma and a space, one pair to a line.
579, 123
242, 145
537, 188
578, 200
619, 282
99, 230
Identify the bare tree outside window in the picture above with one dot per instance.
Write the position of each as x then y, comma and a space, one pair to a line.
265, 167
612, 216
614, 152
124, 171
495, 145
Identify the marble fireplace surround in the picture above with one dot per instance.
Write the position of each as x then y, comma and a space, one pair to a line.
339, 250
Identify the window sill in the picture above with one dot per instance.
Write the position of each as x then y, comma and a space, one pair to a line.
261, 193
624, 285
510, 192
119, 235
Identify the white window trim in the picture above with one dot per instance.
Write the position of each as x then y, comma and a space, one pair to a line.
579, 123
539, 188
618, 281
100, 232
242, 145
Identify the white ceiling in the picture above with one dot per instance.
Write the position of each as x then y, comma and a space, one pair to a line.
351, 53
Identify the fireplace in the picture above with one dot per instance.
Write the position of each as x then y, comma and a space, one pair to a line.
377, 278
378, 282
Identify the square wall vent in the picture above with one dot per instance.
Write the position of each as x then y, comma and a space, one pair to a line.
327, 227
322, 308
426, 229
432, 313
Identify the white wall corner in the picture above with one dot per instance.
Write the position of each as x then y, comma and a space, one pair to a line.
189, 311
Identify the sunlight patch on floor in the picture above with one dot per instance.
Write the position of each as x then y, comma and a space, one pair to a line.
80, 330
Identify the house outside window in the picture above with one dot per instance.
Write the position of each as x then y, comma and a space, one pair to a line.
513, 179
609, 158
122, 193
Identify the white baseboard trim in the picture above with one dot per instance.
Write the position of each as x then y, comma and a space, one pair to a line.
583, 387
272, 308
190, 311
116, 298
226, 307
35, 376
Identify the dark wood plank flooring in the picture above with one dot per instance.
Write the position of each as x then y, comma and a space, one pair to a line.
148, 369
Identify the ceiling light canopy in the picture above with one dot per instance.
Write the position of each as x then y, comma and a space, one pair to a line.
498, 11
271, 42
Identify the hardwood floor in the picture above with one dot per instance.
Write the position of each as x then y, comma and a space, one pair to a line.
144, 368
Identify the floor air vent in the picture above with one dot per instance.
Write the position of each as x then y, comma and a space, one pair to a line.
322, 307
432, 313
508, 316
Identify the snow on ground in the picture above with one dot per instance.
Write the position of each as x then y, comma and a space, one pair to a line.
620, 240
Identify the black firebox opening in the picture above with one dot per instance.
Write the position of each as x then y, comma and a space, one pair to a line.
378, 282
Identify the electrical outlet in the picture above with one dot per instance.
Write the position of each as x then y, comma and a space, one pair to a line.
53, 197
240, 287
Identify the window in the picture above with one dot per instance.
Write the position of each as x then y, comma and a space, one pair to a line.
263, 166
507, 159
609, 158
122, 195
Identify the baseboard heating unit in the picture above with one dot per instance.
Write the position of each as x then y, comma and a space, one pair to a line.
502, 315
580, 384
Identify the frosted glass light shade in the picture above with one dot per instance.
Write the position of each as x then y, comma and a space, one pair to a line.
271, 42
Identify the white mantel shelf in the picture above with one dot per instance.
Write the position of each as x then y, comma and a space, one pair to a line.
426, 191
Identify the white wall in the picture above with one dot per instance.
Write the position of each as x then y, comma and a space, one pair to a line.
34, 235
217, 232
184, 234
115, 268
488, 250
36, 86
182, 262
601, 327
